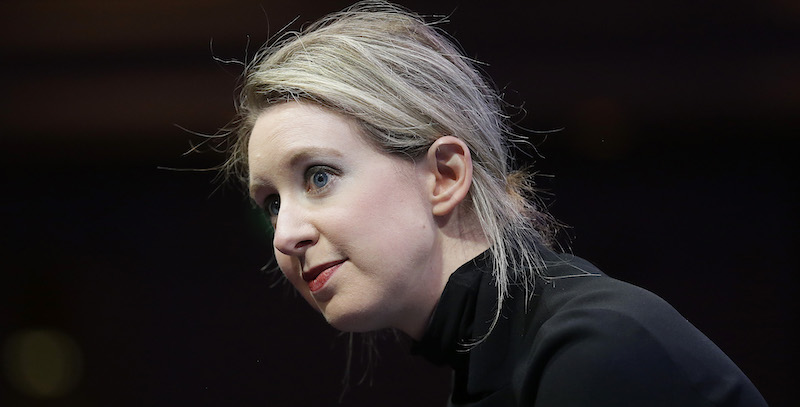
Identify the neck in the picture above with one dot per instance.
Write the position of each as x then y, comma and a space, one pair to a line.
460, 242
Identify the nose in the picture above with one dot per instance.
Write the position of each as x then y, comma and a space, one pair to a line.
294, 233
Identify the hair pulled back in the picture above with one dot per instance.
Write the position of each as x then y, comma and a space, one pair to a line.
406, 84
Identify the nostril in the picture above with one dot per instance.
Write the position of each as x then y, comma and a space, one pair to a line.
302, 244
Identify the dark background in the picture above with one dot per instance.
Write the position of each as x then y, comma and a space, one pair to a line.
673, 171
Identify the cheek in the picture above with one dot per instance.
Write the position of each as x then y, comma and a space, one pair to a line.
290, 268
391, 222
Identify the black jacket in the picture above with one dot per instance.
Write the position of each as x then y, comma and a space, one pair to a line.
588, 340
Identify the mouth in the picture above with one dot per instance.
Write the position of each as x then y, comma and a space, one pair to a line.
317, 276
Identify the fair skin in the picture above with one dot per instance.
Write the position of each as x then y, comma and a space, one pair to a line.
367, 238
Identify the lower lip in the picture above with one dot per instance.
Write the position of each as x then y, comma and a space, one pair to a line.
319, 282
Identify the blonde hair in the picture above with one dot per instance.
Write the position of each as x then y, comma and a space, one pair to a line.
406, 85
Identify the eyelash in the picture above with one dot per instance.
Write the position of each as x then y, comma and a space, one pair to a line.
275, 200
268, 203
313, 171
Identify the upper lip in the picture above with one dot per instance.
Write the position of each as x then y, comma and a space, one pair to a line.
315, 271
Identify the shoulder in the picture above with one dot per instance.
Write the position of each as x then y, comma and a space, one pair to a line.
575, 296
594, 340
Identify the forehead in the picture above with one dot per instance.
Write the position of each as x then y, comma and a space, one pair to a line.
286, 133
295, 122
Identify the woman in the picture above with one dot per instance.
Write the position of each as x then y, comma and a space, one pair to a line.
381, 156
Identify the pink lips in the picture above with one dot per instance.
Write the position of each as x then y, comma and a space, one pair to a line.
316, 277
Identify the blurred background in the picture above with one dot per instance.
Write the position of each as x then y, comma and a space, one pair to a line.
127, 284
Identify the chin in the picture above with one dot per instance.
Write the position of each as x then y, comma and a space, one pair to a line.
351, 320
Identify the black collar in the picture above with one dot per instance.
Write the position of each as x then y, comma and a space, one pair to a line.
452, 323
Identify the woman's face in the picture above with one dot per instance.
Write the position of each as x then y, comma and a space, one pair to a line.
354, 230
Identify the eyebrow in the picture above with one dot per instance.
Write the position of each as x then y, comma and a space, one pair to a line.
294, 158
303, 154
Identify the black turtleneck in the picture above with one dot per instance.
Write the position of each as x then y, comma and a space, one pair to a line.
580, 338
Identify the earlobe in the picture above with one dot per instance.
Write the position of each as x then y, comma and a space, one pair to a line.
450, 162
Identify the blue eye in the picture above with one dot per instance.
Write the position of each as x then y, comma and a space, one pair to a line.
320, 178
272, 205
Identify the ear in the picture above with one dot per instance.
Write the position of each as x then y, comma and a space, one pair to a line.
449, 161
